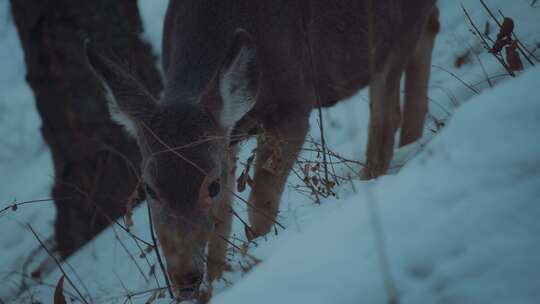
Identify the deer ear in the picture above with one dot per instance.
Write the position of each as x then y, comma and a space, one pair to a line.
129, 102
238, 80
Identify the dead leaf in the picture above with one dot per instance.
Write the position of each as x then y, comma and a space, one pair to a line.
59, 292
315, 181
153, 297
245, 248
306, 172
487, 29
36, 274
249, 233
133, 199
507, 28
241, 181
244, 177
152, 270
513, 58
463, 59
504, 37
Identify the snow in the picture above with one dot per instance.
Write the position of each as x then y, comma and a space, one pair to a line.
25, 162
458, 218
460, 223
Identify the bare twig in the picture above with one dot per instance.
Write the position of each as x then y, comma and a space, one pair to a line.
78, 277
390, 288
128, 293
14, 206
380, 244
317, 96
482, 67
161, 265
475, 91
131, 257
82, 298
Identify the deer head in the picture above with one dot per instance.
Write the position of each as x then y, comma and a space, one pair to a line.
184, 147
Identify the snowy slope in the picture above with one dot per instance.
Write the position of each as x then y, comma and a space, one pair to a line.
459, 220
25, 163
460, 223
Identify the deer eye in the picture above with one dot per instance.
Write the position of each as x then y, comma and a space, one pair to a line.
150, 192
214, 188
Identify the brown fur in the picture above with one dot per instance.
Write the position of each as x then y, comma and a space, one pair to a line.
272, 63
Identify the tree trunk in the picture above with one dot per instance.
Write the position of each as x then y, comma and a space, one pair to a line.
96, 164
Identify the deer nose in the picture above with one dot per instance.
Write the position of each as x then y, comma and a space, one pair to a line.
188, 285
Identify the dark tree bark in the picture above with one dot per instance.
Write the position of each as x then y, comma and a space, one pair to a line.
91, 154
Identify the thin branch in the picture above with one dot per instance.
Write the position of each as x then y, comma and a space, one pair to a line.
317, 97
380, 244
57, 263
14, 206
128, 293
459, 79
161, 265
481, 66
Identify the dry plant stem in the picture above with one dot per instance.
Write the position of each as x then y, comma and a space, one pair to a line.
521, 45
143, 292
128, 294
42, 283
146, 259
308, 189
103, 213
131, 257
252, 206
374, 216
380, 244
158, 255
481, 66
475, 91
317, 96
486, 45
58, 264
246, 225
314, 191
16, 205
229, 242
80, 281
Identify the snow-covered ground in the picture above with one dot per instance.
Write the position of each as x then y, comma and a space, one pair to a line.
457, 223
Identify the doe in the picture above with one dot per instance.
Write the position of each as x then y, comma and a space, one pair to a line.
235, 67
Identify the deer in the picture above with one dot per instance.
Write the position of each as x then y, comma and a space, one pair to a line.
235, 69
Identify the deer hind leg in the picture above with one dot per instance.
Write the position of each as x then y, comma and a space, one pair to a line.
416, 83
218, 242
384, 121
277, 150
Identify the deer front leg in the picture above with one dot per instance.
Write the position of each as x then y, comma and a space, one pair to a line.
383, 123
277, 150
218, 242
416, 83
